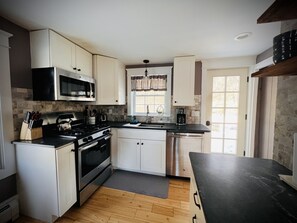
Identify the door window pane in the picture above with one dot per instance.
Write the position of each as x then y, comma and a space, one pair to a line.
216, 145
217, 115
233, 83
230, 146
231, 115
231, 131
232, 100
218, 100
218, 84
217, 130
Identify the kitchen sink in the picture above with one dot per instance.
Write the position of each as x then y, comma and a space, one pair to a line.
148, 125
152, 125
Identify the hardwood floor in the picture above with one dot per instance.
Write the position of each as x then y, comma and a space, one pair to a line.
115, 206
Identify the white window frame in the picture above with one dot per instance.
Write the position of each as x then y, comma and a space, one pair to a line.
151, 70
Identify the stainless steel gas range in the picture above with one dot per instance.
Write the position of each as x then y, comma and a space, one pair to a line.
92, 153
92, 162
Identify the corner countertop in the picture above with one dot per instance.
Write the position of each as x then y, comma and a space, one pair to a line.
241, 189
170, 127
54, 142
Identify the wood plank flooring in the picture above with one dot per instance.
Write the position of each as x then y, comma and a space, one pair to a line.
115, 206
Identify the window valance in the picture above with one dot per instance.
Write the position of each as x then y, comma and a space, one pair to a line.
151, 82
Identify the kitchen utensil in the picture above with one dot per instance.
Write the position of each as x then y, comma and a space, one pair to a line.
64, 122
27, 117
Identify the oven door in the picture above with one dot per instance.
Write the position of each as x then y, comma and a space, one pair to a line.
93, 158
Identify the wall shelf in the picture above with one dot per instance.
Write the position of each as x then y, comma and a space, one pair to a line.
280, 10
284, 68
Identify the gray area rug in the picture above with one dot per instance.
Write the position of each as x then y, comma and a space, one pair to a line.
151, 185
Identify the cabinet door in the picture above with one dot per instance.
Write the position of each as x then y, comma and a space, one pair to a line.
62, 52
66, 178
114, 147
129, 154
120, 91
153, 156
105, 69
184, 81
196, 211
83, 61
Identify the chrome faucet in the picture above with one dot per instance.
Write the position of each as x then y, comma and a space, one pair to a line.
147, 120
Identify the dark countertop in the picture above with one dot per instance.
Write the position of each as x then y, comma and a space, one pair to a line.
241, 189
54, 142
170, 127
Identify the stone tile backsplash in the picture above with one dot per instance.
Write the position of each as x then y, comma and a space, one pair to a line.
22, 101
285, 120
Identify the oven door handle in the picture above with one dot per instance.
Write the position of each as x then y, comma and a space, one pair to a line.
88, 147
108, 137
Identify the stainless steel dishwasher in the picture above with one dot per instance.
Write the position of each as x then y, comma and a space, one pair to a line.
178, 146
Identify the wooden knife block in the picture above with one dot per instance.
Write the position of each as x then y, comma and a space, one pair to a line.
30, 134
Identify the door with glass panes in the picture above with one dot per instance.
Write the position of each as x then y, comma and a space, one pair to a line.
226, 110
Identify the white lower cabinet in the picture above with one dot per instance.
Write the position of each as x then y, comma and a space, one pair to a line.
196, 211
129, 154
46, 180
142, 150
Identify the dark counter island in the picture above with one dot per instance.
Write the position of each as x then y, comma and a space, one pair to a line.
243, 190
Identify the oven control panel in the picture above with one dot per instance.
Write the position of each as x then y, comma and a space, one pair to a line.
94, 136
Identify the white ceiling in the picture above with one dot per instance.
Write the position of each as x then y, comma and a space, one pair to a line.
158, 30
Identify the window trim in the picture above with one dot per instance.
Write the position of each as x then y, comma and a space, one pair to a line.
151, 70
1, 138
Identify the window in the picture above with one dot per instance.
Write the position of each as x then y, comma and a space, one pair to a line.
156, 101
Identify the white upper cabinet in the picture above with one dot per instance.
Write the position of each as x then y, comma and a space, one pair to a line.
110, 76
49, 49
61, 52
83, 61
184, 81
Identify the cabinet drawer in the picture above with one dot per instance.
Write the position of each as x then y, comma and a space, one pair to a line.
142, 134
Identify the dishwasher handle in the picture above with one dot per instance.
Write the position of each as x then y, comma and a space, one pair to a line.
184, 135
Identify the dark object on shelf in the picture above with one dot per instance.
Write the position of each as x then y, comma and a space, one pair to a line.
285, 46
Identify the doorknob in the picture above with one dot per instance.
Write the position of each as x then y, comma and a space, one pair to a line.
207, 123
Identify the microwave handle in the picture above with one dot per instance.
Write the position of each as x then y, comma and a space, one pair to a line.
91, 89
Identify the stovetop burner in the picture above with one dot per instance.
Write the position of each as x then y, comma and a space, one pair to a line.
82, 131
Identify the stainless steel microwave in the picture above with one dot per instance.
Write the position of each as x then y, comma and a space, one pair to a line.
55, 84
